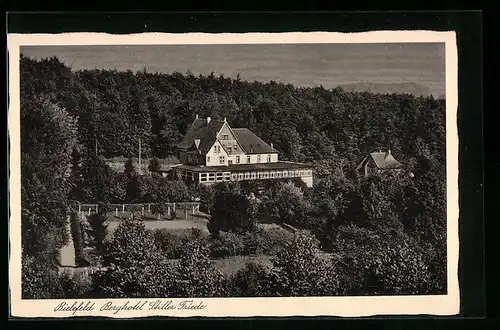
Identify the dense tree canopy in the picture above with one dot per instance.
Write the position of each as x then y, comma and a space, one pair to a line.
388, 232
305, 124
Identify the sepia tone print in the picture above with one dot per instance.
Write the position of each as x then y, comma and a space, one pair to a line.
232, 171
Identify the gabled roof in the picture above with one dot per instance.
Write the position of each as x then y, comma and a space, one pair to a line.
382, 159
202, 131
251, 143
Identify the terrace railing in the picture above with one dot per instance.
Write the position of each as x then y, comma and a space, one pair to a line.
143, 208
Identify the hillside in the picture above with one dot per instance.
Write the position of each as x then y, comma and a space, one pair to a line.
310, 125
388, 88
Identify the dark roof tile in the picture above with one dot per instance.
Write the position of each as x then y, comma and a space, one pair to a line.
206, 133
251, 143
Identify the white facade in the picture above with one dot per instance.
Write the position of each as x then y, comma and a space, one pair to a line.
213, 157
216, 156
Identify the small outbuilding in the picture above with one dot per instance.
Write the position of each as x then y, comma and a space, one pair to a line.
377, 162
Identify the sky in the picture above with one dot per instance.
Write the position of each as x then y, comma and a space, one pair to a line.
329, 65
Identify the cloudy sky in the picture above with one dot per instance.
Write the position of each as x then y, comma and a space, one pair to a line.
329, 65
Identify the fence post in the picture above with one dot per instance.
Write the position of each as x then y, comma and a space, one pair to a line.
123, 208
89, 210
149, 208
186, 213
116, 212
97, 208
193, 210
168, 211
142, 211
174, 206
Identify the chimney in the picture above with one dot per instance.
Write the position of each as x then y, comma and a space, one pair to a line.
224, 119
196, 116
208, 120
272, 146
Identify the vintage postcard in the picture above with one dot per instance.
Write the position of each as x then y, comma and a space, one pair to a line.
233, 175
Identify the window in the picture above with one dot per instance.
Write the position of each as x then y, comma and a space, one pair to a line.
235, 147
268, 158
237, 159
248, 159
222, 159
224, 136
208, 159
258, 158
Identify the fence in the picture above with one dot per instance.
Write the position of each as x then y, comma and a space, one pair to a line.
144, 208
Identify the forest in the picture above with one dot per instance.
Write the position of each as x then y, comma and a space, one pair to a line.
387, 234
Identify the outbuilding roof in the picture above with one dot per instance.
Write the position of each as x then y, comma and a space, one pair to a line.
382, 159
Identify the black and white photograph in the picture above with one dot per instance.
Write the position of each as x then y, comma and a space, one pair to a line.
157, 177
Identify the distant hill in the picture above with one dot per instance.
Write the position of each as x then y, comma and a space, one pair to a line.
388, 88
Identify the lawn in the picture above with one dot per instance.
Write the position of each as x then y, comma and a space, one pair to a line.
178, 224
230, 265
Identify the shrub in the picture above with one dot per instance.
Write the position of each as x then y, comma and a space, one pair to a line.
76, 284
227, 244
134, 266
286, 204
173, 243
300, 269
389, 263
196, 276
154, 165
39, 280
232, 210
273, 240
159, 209
250, 281
99, 230
78, 240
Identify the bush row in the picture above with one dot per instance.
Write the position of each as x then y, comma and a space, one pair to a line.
226, 244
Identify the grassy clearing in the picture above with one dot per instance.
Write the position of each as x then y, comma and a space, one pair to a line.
230, 265
118, 163
174, 225
179, 215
